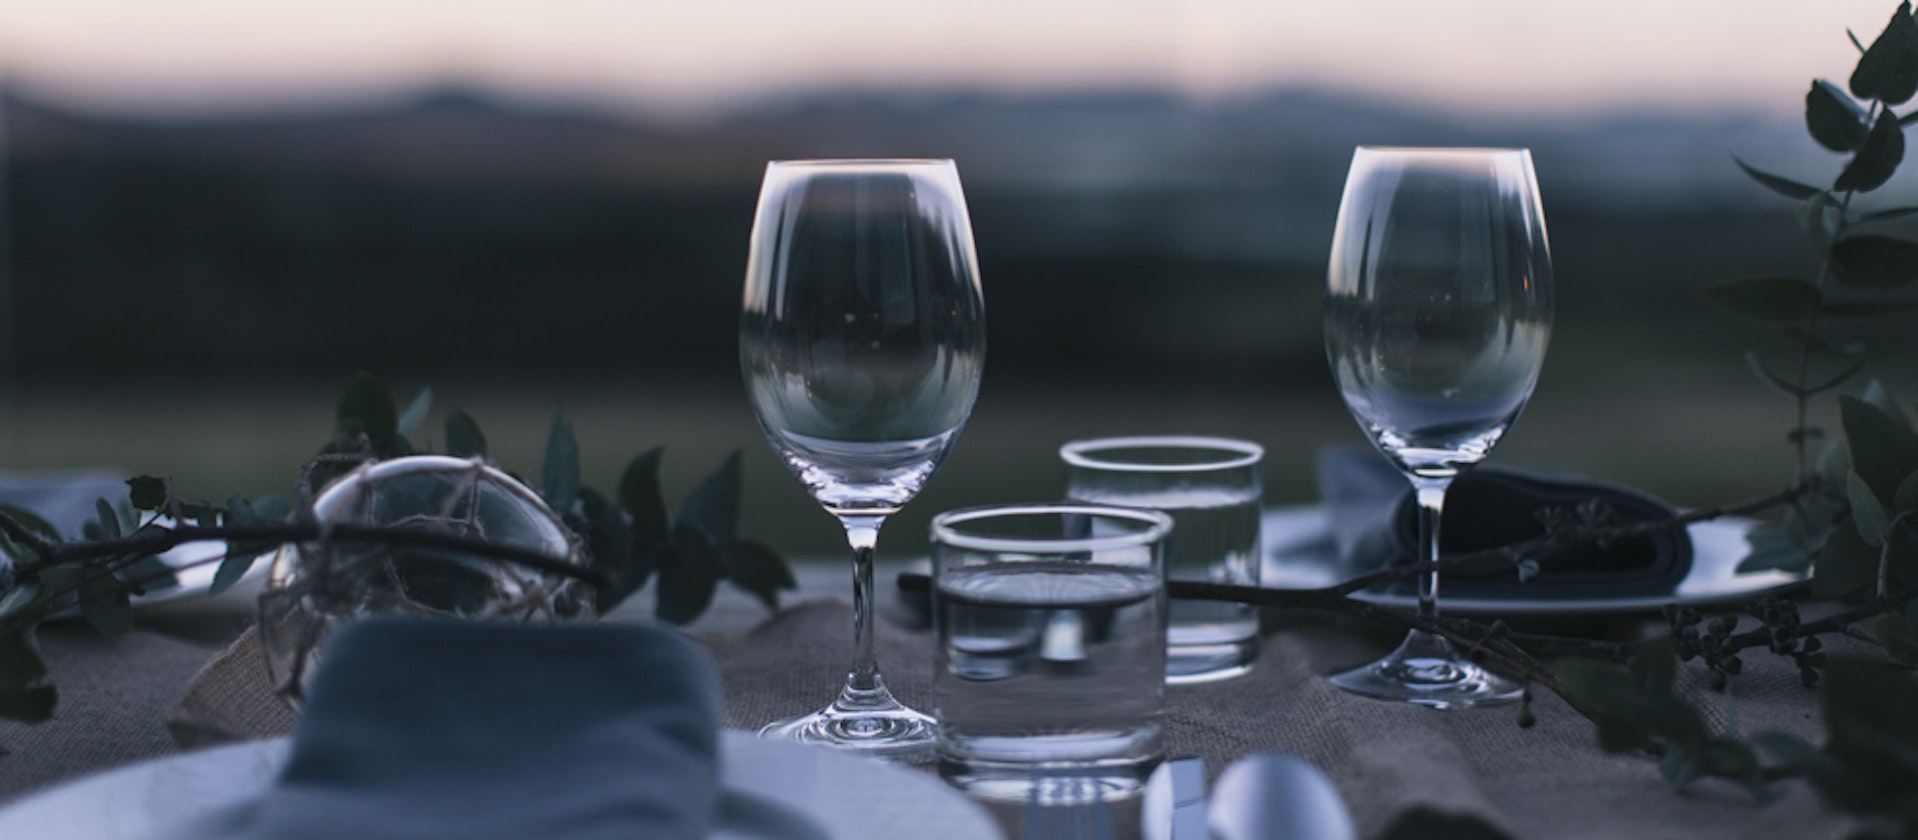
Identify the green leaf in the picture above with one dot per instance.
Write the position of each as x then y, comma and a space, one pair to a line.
1766, 300
559, 478
1835, 120
1905, 498
713, 507
1779, 184
1834, 782
105, 604
609, 542
146, 574
1845, 565
1765, 375
1877, 159
31, 521
1888, 71
1884, 449
641, 498
1889, 213
1870, 308
1867, 709
1812, 219
689, 574
1898, 637
25, 695
463, 436
16, 601
147, 492
415, 414
1878, 395
1876, 262
759, 570
1867, 513
108, 519
240, 556
1773, 550
367, 407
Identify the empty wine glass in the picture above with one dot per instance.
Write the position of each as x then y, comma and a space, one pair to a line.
1438, 305
861, 341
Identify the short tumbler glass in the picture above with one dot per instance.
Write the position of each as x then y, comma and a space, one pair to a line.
1051, 649
1211, 487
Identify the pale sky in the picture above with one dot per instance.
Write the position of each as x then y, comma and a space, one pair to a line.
1503, 56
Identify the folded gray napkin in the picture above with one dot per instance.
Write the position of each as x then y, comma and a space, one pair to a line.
432, 729
1374, 522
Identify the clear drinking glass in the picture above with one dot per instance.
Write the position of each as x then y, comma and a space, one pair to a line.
861, 340
1438, 305
1049, 681
1211, 487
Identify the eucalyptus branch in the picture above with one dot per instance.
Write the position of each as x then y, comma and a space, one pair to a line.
1555, 541
155, 539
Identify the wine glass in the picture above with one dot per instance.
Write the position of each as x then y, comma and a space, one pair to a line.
1438, 305
861, 341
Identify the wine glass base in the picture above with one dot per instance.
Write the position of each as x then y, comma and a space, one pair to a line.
1426, 670
885, 729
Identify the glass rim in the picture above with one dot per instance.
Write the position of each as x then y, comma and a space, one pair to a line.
855, 162
1462, 151
1157, 526
1238, 453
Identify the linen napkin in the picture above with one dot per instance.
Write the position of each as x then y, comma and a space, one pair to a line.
426, 728
1374, 522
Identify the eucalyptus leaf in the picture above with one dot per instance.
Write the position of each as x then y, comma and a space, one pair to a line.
25, 694
1772, 550
1778, 183
1889, 213
1876, 262
1867, 513
641, 498
15, 602
463, 436
414, 416
1884, 449
559, 478
147, 492
147, 573
1878, 395
1905, 499
1898, 637
1867, 710
609, 542
240, 556
713, 507
1767, 300
1812, 219
1834, 782
1870, 308
1877, 159
759, 570
1845, 565
105, 604
1888, 71
31, 521
689, 575
108, 519
1835, 120
368, 407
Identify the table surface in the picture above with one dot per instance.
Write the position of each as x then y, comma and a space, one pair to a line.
1404, 771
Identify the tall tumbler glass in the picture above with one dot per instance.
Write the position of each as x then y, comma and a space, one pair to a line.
1211, 487
1049, 677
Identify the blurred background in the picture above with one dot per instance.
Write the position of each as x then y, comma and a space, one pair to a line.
214, 212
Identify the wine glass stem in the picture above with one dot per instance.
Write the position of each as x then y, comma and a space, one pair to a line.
1430, 493
862, 533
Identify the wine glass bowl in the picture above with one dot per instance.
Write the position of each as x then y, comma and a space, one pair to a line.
1438, 308
862, 336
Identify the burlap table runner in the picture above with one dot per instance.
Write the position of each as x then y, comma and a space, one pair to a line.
1405, 771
